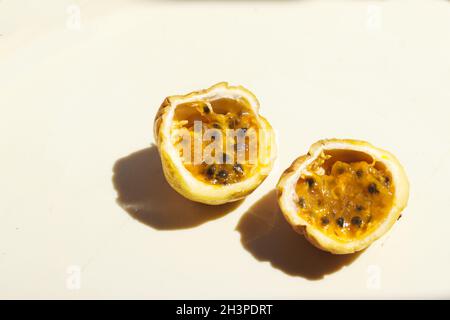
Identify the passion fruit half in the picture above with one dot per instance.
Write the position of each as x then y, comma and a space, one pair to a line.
343, 195
214, 145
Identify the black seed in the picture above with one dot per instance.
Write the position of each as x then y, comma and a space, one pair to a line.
356, 221
387, 181
399, 217
238, 169
206, 109
302, 203
232, 123
210, 171
372, 188
324, 221
359, 207
241, 132
216, 125
340, 222
310, 182
359, 173
222, 174
213, 138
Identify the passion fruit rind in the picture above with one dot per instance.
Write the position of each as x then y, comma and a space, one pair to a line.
286, 195
180, 179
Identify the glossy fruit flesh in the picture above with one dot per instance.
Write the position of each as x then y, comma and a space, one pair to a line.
226, 118
346, 200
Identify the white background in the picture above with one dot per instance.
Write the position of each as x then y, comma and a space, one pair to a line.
80, 82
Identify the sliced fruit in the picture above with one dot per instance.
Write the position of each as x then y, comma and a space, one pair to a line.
343, 195
214, 145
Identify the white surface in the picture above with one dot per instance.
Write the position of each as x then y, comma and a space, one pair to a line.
75, 101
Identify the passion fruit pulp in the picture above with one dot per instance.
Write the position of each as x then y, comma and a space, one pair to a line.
219, 117
343, 195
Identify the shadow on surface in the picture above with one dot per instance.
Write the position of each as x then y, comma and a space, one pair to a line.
144, 193
268, 237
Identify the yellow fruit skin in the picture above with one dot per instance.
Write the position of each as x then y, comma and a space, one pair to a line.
313, 234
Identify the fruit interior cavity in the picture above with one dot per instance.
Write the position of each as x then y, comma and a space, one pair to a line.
346, 195
228, 129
